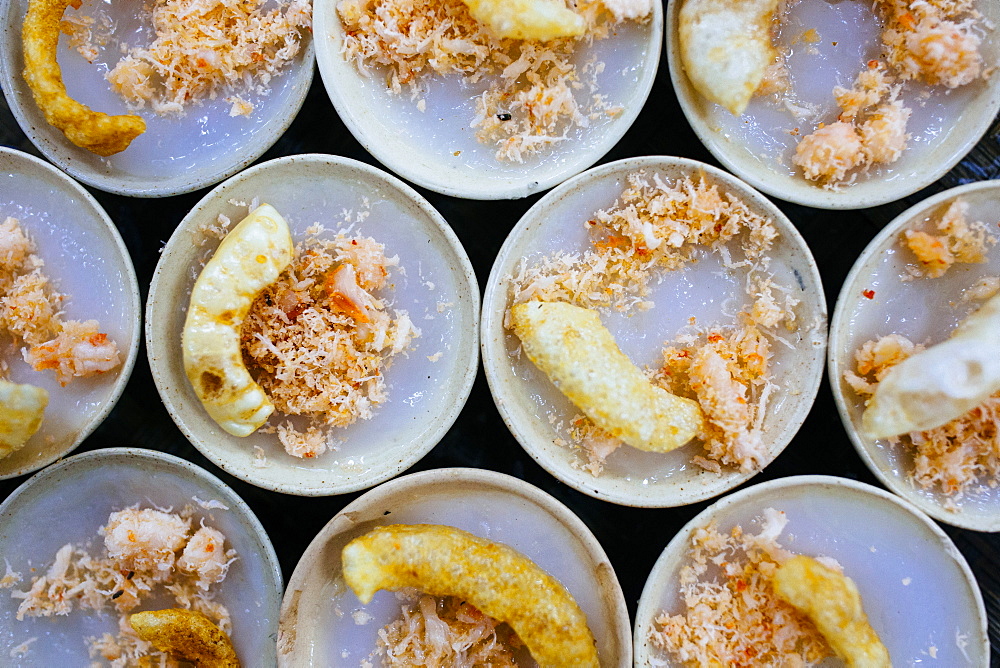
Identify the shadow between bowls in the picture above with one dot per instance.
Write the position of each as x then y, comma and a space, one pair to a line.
87, 260
437, 149
69, 501
176, 154
916, 587
434, 283
319, 613
533, 408
925, 310
951, 134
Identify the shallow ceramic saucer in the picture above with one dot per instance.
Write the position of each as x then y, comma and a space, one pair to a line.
916, 587
176, 154
830, 44
879, 298
69, 501
437, 148
537, 413
323, 623
85, 257
434, 283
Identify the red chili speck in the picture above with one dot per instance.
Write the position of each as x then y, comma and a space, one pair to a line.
870, 294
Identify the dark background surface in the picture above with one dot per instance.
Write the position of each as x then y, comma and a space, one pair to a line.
633, 538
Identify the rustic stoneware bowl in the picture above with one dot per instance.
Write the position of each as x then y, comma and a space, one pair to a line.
69, 501
759, 145
176, 154
434, 283
85, 257
876, 300
916, 588
533, 408
323, 623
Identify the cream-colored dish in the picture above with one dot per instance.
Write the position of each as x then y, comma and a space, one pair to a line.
85, 256
876, 301
830, 43
436, 148
434, 283
70, 501
176, 154
323, 623
917, 589
537, 413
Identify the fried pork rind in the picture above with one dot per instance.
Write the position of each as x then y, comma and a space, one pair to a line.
833, 604
186, 635
538, 20
93, 130
250, 258
725, 46
941, 383
580, 356
496, 579
21, 410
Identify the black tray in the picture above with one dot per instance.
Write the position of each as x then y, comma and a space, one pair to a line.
633, 538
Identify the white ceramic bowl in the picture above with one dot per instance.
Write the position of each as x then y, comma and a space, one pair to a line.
916, 588
437, 148
318, 625
434, 283
532, 406
87, 260
758, 148
925, 310
175, 154
70, 501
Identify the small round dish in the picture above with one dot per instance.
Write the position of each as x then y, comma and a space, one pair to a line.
434, 283
85, 257
830, 42
319, 613
70, 501
877, 299
704, 291
437, 148
916, 588
176, 154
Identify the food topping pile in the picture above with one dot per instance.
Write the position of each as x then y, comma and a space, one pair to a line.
444, 632
148, 554
319, 339
530, 92
205, 47
658, 226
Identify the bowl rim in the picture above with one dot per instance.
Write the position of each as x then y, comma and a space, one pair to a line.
840, 323
61, 152
333, 68
342, 522
811, 195
163, 380
134, 299
646, 607
490, 322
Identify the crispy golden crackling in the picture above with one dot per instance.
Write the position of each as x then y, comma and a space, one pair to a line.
581, 358
725, 47
186, 635
941, 383
538, 20
93, 130
496, 579
832, 602
249, 259
21, 410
